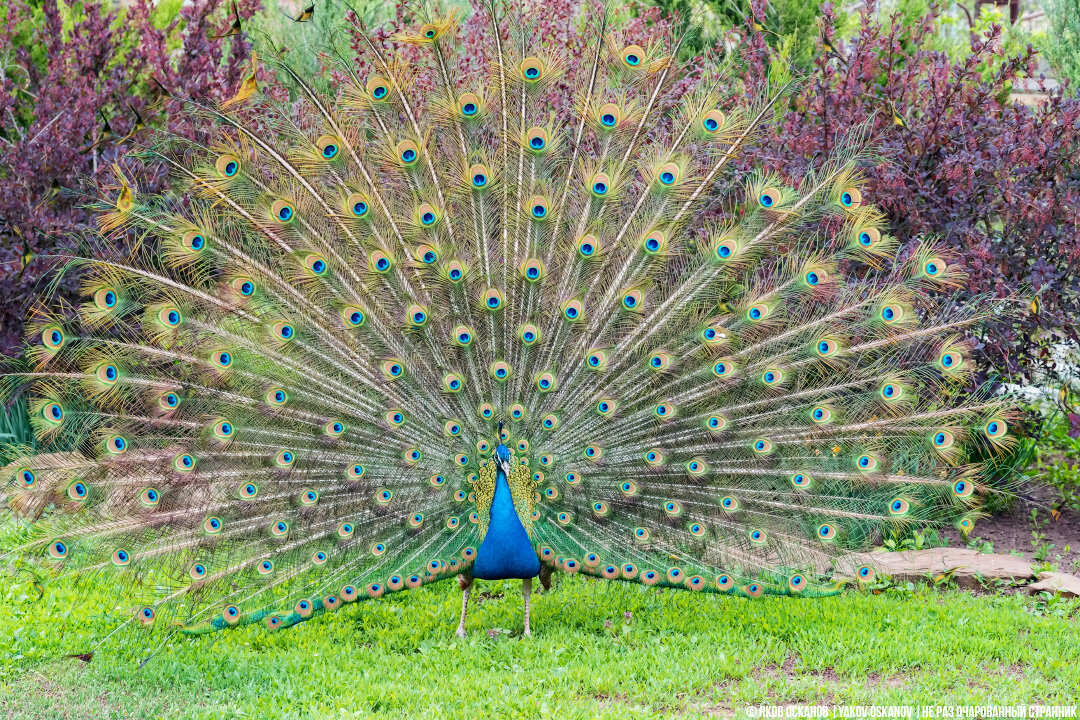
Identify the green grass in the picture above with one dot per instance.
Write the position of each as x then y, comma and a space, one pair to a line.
693, 654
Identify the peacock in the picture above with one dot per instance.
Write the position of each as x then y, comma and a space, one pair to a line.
411, 323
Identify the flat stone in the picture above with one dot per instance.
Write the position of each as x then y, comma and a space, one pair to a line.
1067, 585
966, 565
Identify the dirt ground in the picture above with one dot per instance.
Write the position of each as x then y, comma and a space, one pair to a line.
1013, 530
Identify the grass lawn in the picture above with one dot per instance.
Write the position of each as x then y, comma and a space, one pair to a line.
680, 653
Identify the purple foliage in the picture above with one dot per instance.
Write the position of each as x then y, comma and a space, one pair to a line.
57, 86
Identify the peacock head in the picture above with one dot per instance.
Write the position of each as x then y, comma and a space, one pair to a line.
502, 453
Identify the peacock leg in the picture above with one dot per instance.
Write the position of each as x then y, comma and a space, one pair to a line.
465, 582
545, 577
526, 590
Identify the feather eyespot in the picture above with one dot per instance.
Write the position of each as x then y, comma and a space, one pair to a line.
573, 478
769, 198
605, 407
850, 198
393, 369
538, 207
411, 456
529, 334
716, 423
328, 147
52, 338
150, 497
573, 310
891, 314
106, 299
545, 382
628, 488
866, 462
536, 139
669, 175
452, 382
52, 413
665, 411
758, 537
486, 411
266, 567
697, 466
378, 89
950, 360
762, 446
120, 558
868, 238
532, 270
500, 370
170, 316
248, 491
593, 453
309, 497
942, 440
353, 316
758, 312
463, 335
107, 374
724, 583
654, 243
227, 166
654, 457
197, 571
609, 115
517, 412
934, 268
408, 152
469, 104
963, 488
632, 299
550, 422
315, 264
193, 241
821, 414
712, 121
276, 397
597, 360
729, 504
145, 616
116, 445
394, 418
355, 471
600, 184
898, 506
279, 529
772, 377
283, 211
492, 299
26, 477
723, 368
632, 56
416, 315
588, 246
891, 392
285, 458
996, 428
357, 205
531, 69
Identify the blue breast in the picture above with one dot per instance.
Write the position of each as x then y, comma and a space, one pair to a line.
506, 551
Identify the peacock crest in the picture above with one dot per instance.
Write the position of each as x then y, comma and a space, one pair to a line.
286, 395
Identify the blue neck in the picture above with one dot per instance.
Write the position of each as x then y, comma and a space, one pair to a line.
506, 551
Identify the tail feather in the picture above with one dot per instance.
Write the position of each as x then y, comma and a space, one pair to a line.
279, 399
